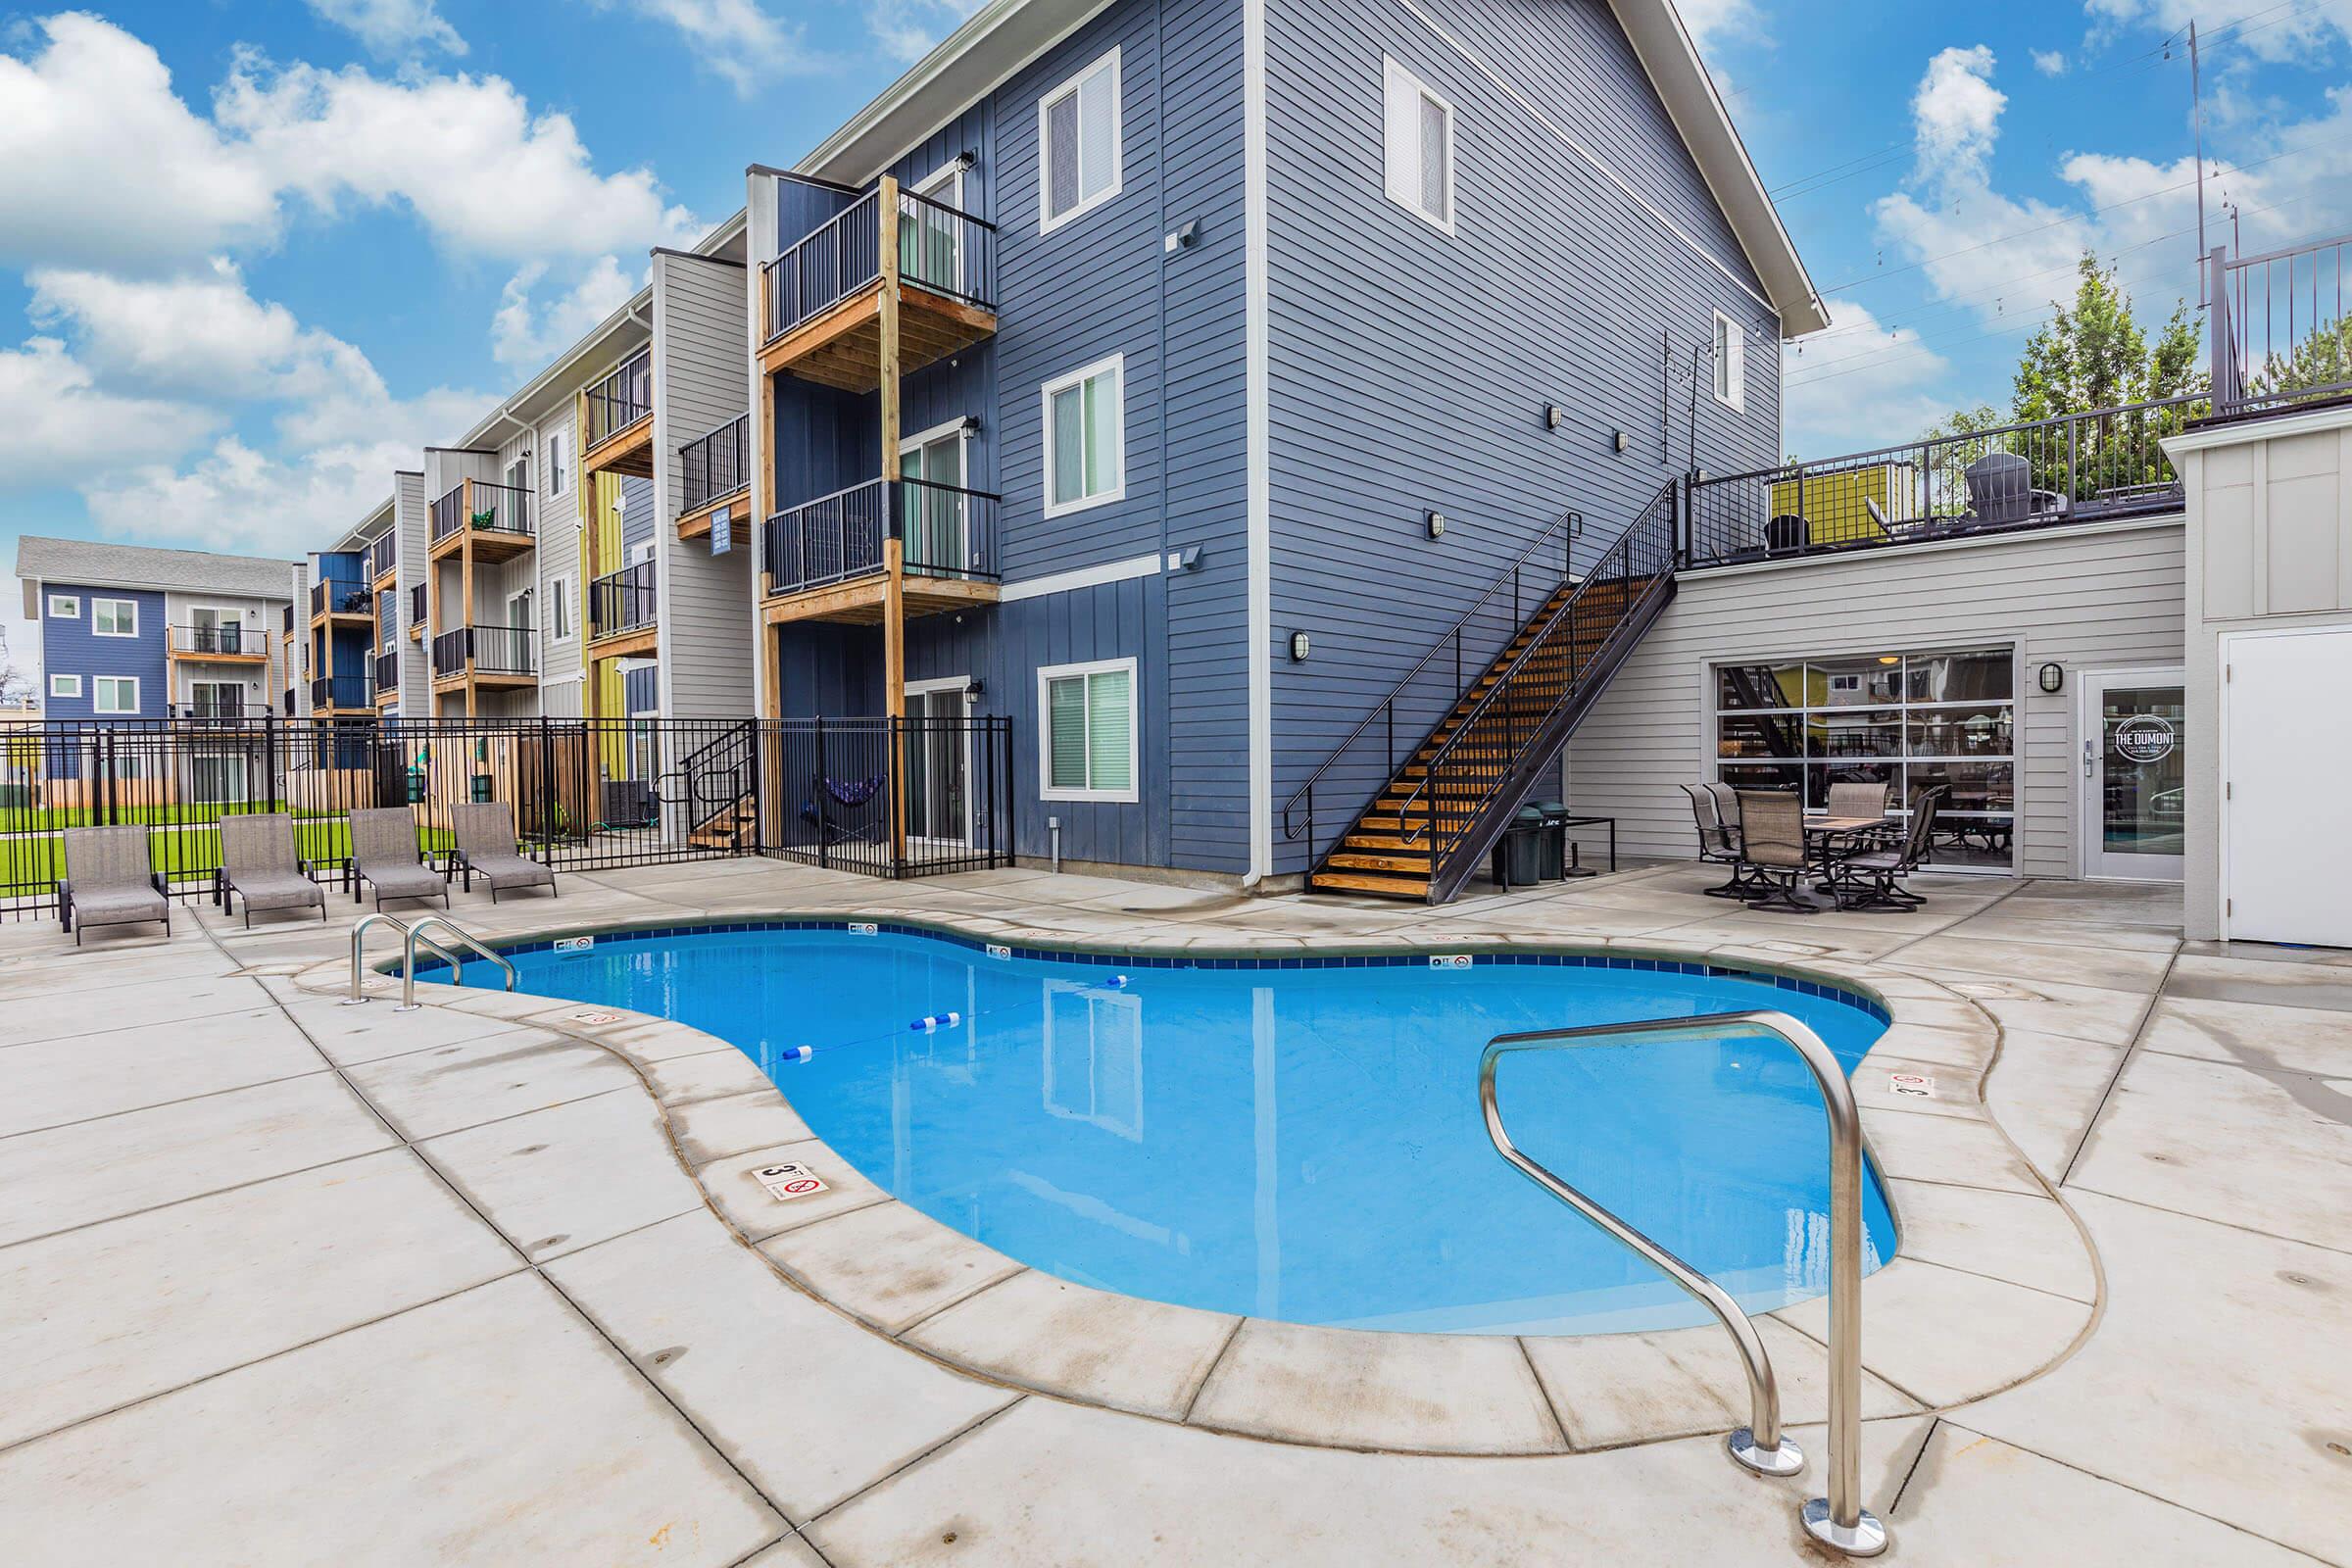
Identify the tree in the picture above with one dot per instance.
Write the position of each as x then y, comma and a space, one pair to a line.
2319, 365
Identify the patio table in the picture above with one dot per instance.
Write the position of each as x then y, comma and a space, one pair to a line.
1822, 833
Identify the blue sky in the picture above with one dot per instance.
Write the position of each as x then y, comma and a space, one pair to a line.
254, 253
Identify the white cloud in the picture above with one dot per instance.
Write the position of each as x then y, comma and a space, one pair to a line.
908, 30
527, 331
1710, 19
1857, 386
57, 426
395, 29
1956, 113
240, 499
2269, 32
2050, 61
742, 40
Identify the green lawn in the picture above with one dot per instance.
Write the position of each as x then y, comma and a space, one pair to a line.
50, 818
186, 852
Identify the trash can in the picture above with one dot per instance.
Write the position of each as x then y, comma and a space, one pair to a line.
1519, 853
1555, 838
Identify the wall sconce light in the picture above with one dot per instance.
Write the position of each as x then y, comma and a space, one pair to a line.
971, 424
2050, 677
971, 693
1622, 441
1554, 415
1184, 557
1699, 476
1182, 237
1300, 648
1437, 524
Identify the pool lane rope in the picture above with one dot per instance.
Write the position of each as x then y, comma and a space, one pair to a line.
929, 1023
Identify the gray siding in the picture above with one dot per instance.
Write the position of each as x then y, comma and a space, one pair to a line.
699, 333
558, 515
410, 521
1411, 367
2088, 598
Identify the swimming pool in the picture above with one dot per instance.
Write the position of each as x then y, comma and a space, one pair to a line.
1285, 1139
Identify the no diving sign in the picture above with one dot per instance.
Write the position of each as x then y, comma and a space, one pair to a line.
788, 1181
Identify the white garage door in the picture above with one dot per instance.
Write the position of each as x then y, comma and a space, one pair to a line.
2287, 867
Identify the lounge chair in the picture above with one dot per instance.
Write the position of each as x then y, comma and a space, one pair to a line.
486, 847
1772, 849
1718, 842
2000, 490
1869, 879
384, 854
110, 880
259, 863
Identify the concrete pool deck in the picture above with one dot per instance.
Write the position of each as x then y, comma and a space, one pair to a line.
283, 1281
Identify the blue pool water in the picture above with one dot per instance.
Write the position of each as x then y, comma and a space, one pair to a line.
1300, 1143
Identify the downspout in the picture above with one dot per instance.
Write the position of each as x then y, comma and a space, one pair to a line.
1258, 611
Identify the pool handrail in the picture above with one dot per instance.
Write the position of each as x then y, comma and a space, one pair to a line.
417, 938
358, 936
1836, 1520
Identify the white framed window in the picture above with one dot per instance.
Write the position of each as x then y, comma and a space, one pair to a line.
1078, 162
1086, 731
1086, 437
559, 609
65, 686
554, 460
1419, 142
64, 607
1731, 364
113, 694
114, 617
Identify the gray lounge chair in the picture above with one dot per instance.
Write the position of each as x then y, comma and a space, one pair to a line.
486, 848
384, 854
110, 880
258, 864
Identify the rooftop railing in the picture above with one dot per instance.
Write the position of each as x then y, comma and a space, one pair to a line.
621, 399
947, 531
940, 248
2039, 473
2279, 332
621, 601
718, 463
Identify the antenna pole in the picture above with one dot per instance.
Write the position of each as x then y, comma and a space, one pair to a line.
2196, 99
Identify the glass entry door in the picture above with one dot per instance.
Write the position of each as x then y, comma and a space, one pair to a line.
934, 510
939, 764
2132, 731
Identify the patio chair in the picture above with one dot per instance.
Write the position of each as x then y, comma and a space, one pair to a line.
1871, 879
1718, 842
260, 863
2000, 490
1772, 849
1858, 798
486, 847
110, 880
385, 854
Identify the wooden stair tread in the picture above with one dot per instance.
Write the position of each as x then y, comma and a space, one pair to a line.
1395, 887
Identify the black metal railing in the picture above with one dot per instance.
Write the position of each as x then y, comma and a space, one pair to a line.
485, 650
382, 557
889, 797
718, 463
285, 619
419, 605
387, 673
484, 505
2039, 474
947, 531
447, 512
1370, 754
940, 248
340, 690
621, 399
330, 595
230, 638
621, 601
213, 705
2279, 331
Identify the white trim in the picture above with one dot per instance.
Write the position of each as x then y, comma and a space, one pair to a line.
1116, 365
1396, 75
96, 600
1258, 427
58, 685
2268, 428
1730, 380
97, 682
1894, 553
1046, 674
2089, 804
940, 683
1046, 221
961, 425
558, 597
71, 602
1063, 582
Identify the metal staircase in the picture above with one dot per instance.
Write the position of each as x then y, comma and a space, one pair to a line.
1442, 806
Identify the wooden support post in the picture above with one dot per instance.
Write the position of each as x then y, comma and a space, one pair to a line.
894, 546
466, 590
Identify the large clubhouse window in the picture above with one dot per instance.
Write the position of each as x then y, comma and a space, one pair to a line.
1909, 720
1088, 713
1078, 143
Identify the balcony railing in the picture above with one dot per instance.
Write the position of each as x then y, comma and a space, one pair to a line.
716, 464
621, 601
484, 507
621, 399
218, 704
948, 532
940, 248
328, 595
387, 672
417, 605
380, 557
340, 690
230, 638
2079, 468
2280, 334
484, 650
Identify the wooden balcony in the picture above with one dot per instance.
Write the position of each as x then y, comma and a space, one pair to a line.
485, 658
616, 421
217, 644
489, 521
334, 602
832, 558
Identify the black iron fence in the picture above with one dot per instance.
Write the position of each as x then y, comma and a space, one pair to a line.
716, 464
947, 531
621, 399
584, 794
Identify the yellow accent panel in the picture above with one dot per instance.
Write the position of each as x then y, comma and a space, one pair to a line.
613, 747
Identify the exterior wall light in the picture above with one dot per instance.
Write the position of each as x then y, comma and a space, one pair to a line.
2050, 677
1622, 441
1554, 415
1300, 647
1437, 524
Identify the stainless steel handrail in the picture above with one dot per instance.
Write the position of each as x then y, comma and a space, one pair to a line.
408, 968
1838, 1520
358, 934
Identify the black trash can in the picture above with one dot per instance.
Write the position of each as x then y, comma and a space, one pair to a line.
1554, 815
1519, 853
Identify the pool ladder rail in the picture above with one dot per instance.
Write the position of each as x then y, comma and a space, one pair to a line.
1836, 1520
412, 937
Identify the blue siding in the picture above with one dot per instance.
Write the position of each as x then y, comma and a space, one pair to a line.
1410, 368
636, 514
801, 206
70, 647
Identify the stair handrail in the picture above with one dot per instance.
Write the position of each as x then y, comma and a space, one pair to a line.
1566, 527
1614, 564
1836, 1520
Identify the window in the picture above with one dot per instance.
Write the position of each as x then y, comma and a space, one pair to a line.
553, 455
64, 685
1086, 437
1420, 145
115, 694
559, 609
114, 617
64, 607
1730, 363
1089, 730
1078, 144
